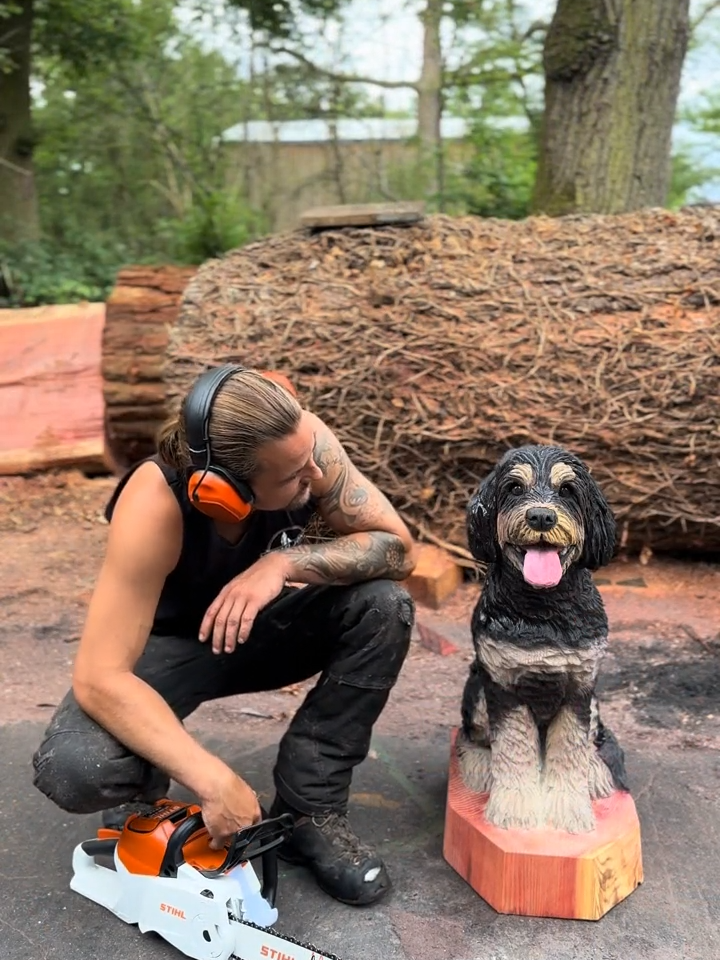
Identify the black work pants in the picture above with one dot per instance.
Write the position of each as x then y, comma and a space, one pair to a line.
356, 637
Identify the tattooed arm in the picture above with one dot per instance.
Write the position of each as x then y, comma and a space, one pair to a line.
373, 541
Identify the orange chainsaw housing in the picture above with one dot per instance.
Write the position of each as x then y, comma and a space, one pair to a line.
143, 841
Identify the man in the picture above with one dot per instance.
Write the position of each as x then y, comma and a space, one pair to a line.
195, 601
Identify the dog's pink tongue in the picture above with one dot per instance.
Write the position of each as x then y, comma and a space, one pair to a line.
542, 567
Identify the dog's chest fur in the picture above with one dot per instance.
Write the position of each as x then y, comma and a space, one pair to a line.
542, 645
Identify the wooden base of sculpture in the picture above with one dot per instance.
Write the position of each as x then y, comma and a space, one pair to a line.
543, 873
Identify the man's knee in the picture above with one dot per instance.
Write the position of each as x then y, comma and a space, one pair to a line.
67, 772
85, 773
392, 603
381, 636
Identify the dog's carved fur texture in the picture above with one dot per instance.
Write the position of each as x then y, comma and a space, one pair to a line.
531, 734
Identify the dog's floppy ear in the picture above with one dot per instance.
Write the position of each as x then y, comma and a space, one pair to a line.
600, 529
481, 521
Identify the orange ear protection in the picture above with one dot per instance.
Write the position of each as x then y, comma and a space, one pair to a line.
212, 489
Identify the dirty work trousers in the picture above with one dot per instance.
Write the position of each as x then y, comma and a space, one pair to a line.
356, 637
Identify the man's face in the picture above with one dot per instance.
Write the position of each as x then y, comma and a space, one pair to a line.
286, 470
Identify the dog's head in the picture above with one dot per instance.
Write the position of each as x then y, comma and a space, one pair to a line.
542, 512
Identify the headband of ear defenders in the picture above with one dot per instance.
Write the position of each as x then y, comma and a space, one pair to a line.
198, 406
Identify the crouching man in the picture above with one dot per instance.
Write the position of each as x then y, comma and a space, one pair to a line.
195, 601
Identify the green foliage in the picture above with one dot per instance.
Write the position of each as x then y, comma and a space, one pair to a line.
87, 34
294, 92
692, 173
279, 17
130, 155
498, 180
501, 51
39, 272
129, 151
7, 10
706, 117
216, 223
496, 88
686, 175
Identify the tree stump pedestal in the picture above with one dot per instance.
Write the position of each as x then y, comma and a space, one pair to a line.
543, 873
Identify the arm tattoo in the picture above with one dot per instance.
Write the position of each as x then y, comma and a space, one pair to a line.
350, 559
346, 500
365, 548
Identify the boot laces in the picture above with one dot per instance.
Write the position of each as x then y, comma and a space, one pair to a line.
336, 828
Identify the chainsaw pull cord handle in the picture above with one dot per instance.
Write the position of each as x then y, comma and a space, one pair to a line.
281, 826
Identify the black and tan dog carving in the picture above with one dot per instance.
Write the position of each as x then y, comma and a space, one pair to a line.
531, 733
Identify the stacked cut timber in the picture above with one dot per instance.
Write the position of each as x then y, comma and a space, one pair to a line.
141, 309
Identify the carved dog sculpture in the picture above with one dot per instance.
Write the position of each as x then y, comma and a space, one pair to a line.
531, 732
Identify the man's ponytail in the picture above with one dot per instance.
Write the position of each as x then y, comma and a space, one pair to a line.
172, 443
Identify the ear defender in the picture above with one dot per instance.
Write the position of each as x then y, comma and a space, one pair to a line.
213, 492
211, 489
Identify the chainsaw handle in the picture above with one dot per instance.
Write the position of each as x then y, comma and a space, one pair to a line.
174, 856
280, 826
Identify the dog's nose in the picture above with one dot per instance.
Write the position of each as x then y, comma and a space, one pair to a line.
541, 518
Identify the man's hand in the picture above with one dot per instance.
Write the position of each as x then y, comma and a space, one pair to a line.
229, 806
230, 617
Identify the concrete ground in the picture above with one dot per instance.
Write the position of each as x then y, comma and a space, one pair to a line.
661, 695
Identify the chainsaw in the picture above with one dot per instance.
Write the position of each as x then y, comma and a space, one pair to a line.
207, 903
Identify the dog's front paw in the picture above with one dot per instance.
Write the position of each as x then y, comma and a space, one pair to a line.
600, 781
515, 809
569, 811
475, 765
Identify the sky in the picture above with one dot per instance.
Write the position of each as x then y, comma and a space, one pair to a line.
383, 39
390, 47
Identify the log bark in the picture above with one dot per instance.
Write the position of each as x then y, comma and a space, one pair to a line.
612, 77
432, 347
140, 310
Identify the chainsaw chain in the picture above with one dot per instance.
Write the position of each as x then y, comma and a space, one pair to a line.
283, 936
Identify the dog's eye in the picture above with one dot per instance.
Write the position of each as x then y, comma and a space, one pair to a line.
565, 490
516, 489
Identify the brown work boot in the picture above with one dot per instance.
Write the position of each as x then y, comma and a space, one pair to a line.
344, 867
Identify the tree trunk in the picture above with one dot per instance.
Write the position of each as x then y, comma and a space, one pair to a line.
612, 77
140, 310
19, 218
430, 98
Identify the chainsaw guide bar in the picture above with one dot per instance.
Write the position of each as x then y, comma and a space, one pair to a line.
313, 952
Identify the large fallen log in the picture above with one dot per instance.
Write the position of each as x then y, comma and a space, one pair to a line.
433, 347
140, 310
51, 407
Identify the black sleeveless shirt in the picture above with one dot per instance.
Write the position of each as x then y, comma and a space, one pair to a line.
207, 561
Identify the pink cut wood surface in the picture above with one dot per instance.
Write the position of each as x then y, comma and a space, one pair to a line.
51, 401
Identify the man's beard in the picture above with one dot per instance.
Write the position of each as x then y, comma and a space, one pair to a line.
300, 499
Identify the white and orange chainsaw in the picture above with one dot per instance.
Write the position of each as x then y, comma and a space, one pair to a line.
166, 878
